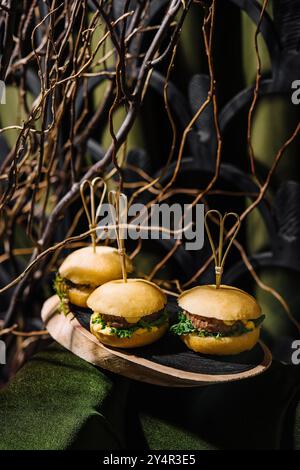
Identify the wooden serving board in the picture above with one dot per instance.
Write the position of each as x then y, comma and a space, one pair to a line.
167, 362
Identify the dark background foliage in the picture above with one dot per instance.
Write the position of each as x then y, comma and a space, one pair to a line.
80, 139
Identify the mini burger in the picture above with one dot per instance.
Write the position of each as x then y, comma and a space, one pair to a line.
128, 314
85, 269
218, 321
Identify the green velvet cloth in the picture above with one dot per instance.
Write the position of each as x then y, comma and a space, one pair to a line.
58, 401
258, 413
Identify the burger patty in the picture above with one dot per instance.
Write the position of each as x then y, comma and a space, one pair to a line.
212, 325
71, 285
121, 322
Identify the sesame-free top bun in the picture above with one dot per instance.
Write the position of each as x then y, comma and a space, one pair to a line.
83, 266
133, 299
225, 303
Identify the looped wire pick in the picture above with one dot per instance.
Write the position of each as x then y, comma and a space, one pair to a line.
118, 201
91, 213
219, 258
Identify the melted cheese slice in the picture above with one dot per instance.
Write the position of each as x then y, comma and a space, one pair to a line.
107, 330
248, 323
133, 319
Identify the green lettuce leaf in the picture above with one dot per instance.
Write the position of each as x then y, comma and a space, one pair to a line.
185, 327
128, 332
61, 290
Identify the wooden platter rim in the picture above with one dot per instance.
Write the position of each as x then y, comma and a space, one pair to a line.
50, 307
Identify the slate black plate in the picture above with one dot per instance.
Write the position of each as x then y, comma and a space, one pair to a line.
167, 362
170, 351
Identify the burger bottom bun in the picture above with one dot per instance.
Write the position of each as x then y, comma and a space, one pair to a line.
222, 346
79, 296
135, 341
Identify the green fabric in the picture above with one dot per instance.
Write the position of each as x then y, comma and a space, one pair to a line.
162, 434
59, 401
296, 434
257, 413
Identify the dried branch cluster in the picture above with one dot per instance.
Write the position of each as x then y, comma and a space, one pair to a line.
54, 50
70, 42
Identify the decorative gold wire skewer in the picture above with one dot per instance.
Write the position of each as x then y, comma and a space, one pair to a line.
91, 214
115, 198
218, 253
